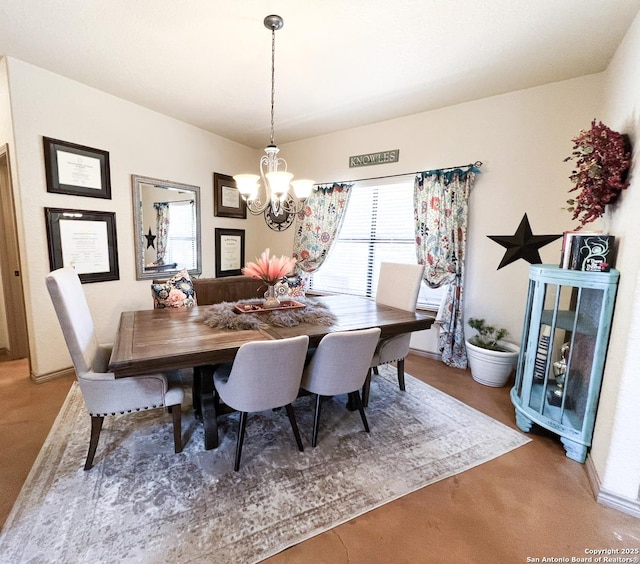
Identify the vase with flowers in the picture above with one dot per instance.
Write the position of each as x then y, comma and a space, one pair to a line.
270, 269
602, 158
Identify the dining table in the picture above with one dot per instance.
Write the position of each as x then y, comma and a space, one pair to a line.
163, 340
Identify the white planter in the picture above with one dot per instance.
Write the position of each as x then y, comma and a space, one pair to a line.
492, 368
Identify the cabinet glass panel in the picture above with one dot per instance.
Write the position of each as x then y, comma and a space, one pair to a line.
564, 359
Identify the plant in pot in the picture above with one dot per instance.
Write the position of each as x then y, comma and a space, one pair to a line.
491, 358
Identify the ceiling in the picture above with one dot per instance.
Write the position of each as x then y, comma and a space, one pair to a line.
339, 63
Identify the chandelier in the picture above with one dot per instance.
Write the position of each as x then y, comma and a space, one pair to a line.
273, 169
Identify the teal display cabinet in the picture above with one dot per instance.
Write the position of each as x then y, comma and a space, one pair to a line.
563, 350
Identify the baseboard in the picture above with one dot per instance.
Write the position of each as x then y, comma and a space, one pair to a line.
426, 354
38, 379
610, 499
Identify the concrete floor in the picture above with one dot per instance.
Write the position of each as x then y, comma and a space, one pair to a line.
532, 503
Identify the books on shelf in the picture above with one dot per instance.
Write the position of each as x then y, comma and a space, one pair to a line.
589, 251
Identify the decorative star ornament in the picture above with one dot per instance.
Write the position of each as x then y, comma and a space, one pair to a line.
523, 244
150, 240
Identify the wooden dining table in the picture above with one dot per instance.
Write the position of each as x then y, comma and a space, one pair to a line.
161, 340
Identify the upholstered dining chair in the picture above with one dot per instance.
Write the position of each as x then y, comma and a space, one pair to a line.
398, 286
340, 366
264, 375
103, 393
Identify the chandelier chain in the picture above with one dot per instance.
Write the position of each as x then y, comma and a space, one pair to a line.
273, 81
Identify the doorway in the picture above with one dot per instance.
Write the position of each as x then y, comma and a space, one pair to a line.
12, 291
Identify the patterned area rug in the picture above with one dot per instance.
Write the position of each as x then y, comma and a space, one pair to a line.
143, 503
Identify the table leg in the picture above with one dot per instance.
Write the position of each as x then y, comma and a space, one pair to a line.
196, 391
207, 401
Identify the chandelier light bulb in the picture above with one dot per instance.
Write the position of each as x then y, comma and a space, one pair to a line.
279, 183
248, 185
302, 188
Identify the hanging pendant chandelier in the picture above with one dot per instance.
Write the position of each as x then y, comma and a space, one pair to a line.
276, 180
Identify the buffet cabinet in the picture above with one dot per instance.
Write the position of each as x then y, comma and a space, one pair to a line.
562, 355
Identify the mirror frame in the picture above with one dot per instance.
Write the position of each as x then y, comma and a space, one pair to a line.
138, 226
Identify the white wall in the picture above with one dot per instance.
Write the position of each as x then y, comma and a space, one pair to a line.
616, 444
140, 142
521, 137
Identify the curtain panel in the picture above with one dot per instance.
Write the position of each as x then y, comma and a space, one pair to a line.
318, 224
441, 200
162, 231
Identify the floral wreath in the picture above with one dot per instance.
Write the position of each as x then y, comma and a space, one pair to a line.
602, 160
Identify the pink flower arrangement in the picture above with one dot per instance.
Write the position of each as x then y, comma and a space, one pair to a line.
269, 269
602, 160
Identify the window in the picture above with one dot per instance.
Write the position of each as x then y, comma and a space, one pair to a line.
181, 243
378, 227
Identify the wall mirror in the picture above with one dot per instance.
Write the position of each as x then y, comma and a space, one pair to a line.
167, 227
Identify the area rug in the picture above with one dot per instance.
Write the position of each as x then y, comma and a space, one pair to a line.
143, 503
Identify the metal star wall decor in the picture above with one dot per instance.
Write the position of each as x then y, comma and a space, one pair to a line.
523, 244
150, 240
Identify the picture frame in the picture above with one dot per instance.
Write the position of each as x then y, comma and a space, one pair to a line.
227, 201
229, 245
76, 169
83, 239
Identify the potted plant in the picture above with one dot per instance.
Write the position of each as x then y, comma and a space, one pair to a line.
491, 358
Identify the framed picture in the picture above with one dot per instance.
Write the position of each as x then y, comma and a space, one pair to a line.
229, 252
76, 169
227, 201
85, 240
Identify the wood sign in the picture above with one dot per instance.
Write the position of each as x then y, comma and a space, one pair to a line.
383, 157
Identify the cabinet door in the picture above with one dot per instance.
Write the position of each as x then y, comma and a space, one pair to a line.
569, 356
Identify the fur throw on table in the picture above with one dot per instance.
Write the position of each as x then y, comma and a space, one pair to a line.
223, 316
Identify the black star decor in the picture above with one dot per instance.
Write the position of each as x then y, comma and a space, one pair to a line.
150, 240
523, 244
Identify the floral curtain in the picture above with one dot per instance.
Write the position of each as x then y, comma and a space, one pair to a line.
162, 230
441, 210
318, 224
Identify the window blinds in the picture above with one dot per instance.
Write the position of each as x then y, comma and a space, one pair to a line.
378, 227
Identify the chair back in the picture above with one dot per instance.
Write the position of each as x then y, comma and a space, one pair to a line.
266, 374
341, 362
399, 285
75, 319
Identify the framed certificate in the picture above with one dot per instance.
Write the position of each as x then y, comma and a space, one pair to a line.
76, 169
227, 201
229, 252
85, 240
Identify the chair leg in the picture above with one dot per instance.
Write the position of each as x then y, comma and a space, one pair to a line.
294, 426
316, 421
177, 428
400, 364
241, 430
96, 427
356, 399
366, 386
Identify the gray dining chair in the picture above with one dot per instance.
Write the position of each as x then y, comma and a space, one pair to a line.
264, 375
103, 393
398, 286
340, 366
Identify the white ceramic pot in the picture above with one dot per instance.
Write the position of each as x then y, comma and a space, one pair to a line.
492, 368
